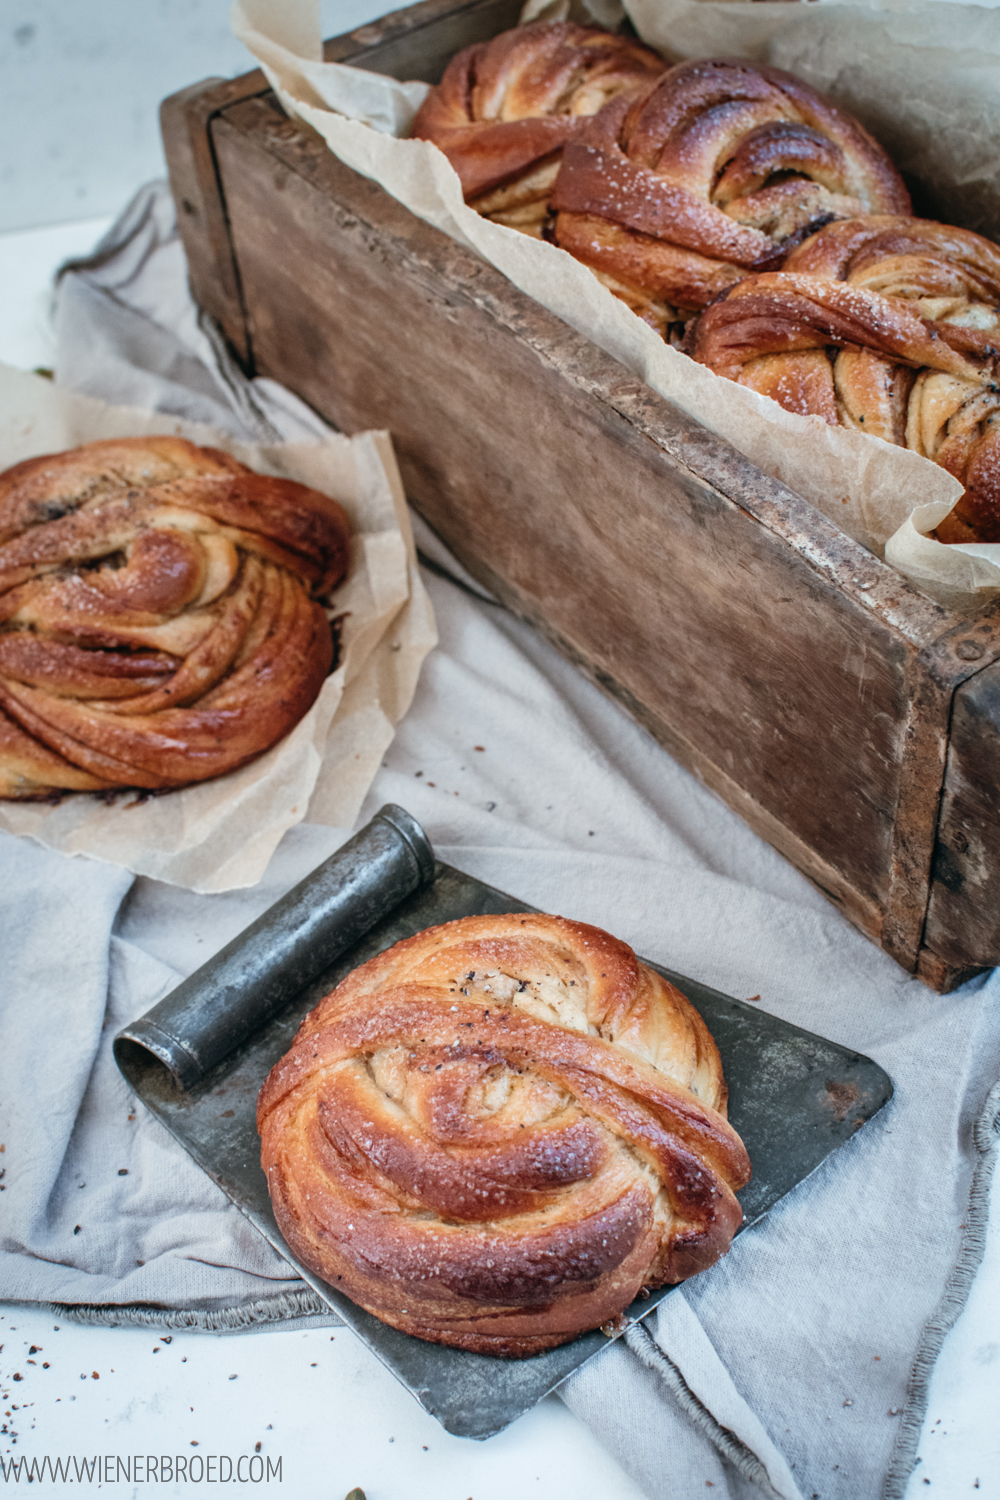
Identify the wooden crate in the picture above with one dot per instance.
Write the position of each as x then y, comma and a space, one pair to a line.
852, 721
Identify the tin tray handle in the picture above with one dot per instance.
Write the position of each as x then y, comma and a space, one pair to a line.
249, 980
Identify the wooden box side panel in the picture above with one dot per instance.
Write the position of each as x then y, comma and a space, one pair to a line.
963, 916
961, 920
419, 41
414, 43
755, 670
185, 122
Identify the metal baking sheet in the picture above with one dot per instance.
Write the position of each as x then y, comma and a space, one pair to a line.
793, 1097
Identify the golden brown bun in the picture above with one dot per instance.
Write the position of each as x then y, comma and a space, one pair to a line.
504, 110
890, 326
718, 169
496, 1133
156, 624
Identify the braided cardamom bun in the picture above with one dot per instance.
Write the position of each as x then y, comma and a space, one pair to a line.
157, 624
496, 1133
505, 108
717, 170
887, 325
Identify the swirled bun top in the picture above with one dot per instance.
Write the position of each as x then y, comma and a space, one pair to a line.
497, 1132
716, 170
505, 108
887, 325
158, 624
952, 274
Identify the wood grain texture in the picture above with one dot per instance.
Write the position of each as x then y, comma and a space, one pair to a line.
798, 676
185, 121
963, 917
416, 43
419, 41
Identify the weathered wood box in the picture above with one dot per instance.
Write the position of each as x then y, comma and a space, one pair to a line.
851, 720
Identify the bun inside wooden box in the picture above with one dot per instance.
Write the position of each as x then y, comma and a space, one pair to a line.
850, 718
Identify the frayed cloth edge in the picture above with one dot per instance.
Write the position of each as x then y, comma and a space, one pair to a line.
986, 1136
276, 1309
733, 1449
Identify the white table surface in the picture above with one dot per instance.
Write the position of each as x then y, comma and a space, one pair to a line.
323, 1404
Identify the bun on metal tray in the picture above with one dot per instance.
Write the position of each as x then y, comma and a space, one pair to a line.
495, 1134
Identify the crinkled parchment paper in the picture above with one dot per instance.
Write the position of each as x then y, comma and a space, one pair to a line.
221, 834
924, 77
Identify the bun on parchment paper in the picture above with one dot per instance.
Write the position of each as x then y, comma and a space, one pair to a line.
495, 1134
159, 614
887, 325
716, 171
504, 110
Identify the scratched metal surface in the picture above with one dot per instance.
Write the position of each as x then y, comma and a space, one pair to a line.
794, 1098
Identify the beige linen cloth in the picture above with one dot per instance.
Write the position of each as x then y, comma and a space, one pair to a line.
797, 1367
